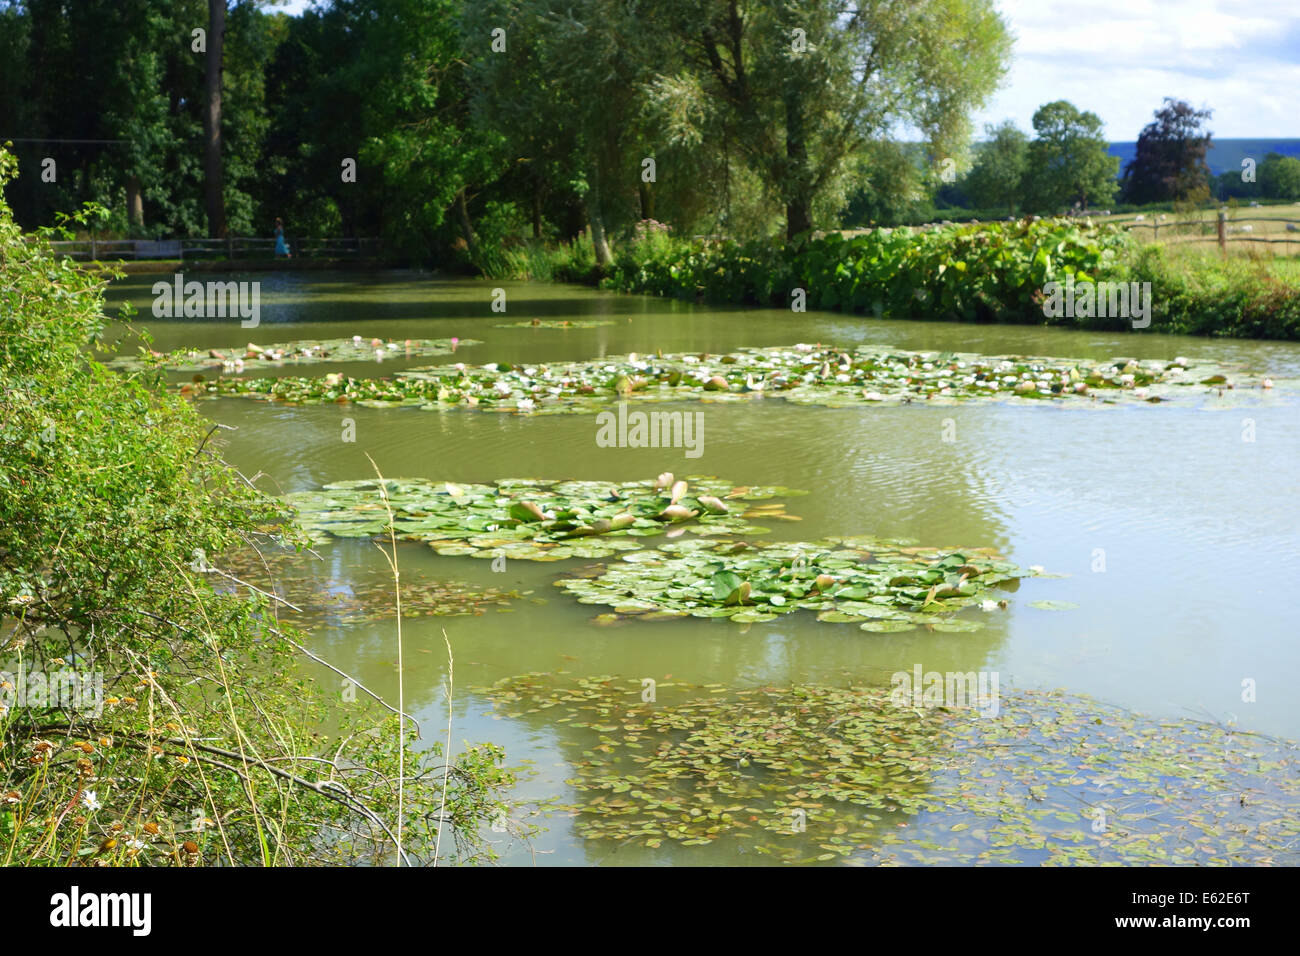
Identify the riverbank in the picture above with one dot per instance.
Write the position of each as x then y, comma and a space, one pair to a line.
992, 272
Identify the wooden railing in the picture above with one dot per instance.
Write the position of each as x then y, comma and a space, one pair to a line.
1222, 231
231, 248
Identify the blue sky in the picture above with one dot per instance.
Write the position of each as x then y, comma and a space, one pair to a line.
1120, 58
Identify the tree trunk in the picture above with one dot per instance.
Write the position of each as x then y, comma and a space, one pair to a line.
216, 205
537, 209
134, 203
466, 226
647, 201
596, 218
798, 206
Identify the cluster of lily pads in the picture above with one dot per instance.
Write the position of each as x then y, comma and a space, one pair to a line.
556, 324
880, 585
814, 773
806, 374
253, 357
307, 597
534, 519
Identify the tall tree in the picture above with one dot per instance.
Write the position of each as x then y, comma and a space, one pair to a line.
997, 178
213, 189
1279, 176
1169, 163
802, 87
1068, 161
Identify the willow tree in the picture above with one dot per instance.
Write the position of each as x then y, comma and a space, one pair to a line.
562, 85
803, 87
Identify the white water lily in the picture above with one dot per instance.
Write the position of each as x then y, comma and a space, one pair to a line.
1140, 393
988, 605
526, 404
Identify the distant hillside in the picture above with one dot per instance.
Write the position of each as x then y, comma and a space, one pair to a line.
1224, 154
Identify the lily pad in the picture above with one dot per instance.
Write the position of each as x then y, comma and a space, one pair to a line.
867, 376
880, 585
252, 357
529, 519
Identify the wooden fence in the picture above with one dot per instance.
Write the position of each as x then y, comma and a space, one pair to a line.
1222, 231
231, 248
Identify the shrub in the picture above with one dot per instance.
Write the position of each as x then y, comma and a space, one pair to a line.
209, 743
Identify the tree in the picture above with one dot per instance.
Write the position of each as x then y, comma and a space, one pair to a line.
1170, 160
997, 178
1068, 161
801, 87
215, 200
1279, 177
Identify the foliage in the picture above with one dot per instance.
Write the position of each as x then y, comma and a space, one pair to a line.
804, 374
798, 88
1205, 294
1068, 161
532, 519
811, 773
209, 744
882, 586
1279, 177
997, 178
1170, 160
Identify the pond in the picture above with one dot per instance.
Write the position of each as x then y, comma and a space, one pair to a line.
1169, 532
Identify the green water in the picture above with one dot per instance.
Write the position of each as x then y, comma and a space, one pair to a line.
1197, 528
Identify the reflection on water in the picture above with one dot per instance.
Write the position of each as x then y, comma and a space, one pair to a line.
1177, 537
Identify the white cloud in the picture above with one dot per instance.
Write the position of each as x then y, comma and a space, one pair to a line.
1120, 58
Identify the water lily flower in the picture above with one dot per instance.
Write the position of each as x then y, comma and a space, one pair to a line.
1126, 380
1268, 383
1180, 360
526, 404
356, 338
988, 605
1139, 393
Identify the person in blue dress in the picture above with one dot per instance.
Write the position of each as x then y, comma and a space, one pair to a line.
281, 247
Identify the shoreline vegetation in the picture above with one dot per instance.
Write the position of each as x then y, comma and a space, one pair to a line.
199, 730
977, 272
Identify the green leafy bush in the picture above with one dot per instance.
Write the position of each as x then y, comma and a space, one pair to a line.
204, 741
989, 272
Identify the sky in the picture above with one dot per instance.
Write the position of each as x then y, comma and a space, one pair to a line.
1120, 58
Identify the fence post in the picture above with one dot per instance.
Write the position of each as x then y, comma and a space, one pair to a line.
1223, 232
92, 250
